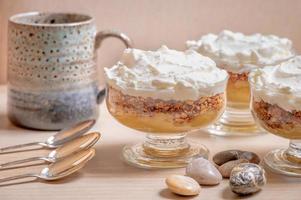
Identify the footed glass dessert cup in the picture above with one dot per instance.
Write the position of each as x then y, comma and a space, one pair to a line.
239, 54
237, 118
157, 97
166, 123
276, 106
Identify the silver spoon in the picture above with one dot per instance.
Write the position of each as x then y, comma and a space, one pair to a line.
58, 139
76, 145
59, 169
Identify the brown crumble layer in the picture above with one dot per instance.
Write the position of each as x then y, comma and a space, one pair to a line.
276, 117
233, 77
182, 111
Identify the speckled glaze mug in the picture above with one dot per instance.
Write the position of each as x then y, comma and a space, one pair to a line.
52, 72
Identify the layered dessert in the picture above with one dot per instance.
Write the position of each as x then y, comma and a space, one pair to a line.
238, 54
165, 91
276, 98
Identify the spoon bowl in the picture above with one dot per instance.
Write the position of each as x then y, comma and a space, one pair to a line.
76, 145
61, 175
69, 133
83, 142
67, 166
60, 169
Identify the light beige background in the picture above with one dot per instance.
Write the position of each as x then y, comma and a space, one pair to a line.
151, 23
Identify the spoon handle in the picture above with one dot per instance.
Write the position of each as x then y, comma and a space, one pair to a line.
19, 146
17, 162
17, 177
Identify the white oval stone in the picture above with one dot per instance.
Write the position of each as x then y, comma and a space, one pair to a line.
204, 172
183, 185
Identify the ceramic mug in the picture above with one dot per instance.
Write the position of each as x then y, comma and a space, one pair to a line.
52, 72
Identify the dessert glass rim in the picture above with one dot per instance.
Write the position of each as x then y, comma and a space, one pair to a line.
16, 19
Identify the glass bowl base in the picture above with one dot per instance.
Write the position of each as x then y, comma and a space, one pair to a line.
221, 129
277, 161
235, 122
136, 155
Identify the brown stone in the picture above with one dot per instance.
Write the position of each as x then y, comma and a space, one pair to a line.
229, 155
227, 167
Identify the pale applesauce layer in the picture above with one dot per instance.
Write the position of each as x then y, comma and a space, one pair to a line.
238, 91
277, 120
159, 116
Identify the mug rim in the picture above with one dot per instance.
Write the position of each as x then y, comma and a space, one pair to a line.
14, 18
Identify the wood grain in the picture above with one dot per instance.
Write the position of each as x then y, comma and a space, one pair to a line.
108, 177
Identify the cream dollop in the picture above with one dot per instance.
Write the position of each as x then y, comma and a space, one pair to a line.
280, 84
166, 74
239, 53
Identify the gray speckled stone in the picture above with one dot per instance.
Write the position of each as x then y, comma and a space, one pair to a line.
247, 178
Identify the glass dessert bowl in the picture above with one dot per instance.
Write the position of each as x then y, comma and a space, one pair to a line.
276, 106
165, 93
238, 54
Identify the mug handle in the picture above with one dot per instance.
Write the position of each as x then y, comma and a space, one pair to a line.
100, 36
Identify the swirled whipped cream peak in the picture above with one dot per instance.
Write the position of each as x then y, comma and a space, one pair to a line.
280, 84
166, 74
239, 53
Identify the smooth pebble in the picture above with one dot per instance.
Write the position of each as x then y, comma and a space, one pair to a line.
204, 172
229, 155
227, 167
247, 178
250, 156
183, 185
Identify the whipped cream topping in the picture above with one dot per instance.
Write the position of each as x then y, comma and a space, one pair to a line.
280, 84
166, 74
239, 53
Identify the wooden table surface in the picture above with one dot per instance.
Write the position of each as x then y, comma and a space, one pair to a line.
108, 177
